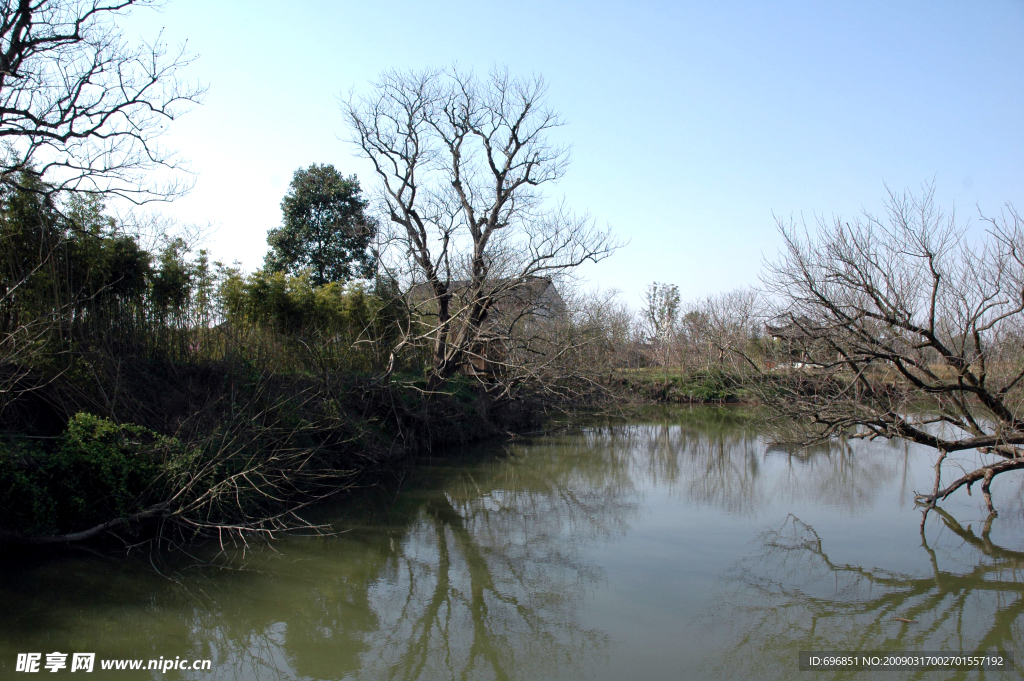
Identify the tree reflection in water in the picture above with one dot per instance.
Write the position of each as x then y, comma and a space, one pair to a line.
793, 596
487, 582
479, 577
718, 458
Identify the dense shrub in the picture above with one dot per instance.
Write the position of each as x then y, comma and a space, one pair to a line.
98, 470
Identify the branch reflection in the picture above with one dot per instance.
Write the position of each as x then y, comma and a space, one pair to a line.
794, 596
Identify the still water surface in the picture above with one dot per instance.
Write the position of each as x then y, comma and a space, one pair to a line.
679, 547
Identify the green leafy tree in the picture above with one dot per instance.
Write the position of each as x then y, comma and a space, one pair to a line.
62, 256
325, 230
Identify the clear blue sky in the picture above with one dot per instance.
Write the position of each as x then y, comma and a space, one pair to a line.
691, 123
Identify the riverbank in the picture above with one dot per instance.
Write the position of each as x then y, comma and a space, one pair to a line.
221, 450
661, 386
217, 449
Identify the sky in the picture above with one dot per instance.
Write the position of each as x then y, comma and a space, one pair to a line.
693, 126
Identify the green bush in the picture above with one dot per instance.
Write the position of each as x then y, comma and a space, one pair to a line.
708, 385
99, 470
26, 505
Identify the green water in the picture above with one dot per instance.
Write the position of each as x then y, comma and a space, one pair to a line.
676, 548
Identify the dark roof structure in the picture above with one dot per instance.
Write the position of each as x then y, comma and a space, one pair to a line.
534, 295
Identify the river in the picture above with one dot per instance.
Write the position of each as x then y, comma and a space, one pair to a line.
674, 547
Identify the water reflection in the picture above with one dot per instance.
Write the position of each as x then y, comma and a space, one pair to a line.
792, 595
487, 579
475, 571
717, 457
493, 565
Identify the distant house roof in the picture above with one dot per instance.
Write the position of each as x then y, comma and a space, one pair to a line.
791, 329
536, 295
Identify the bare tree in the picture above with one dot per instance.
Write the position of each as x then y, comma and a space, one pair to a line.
908, 328
83, 108
463, 163
611, 322
730, 321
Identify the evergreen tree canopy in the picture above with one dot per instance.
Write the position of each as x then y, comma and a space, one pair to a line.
325, 230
